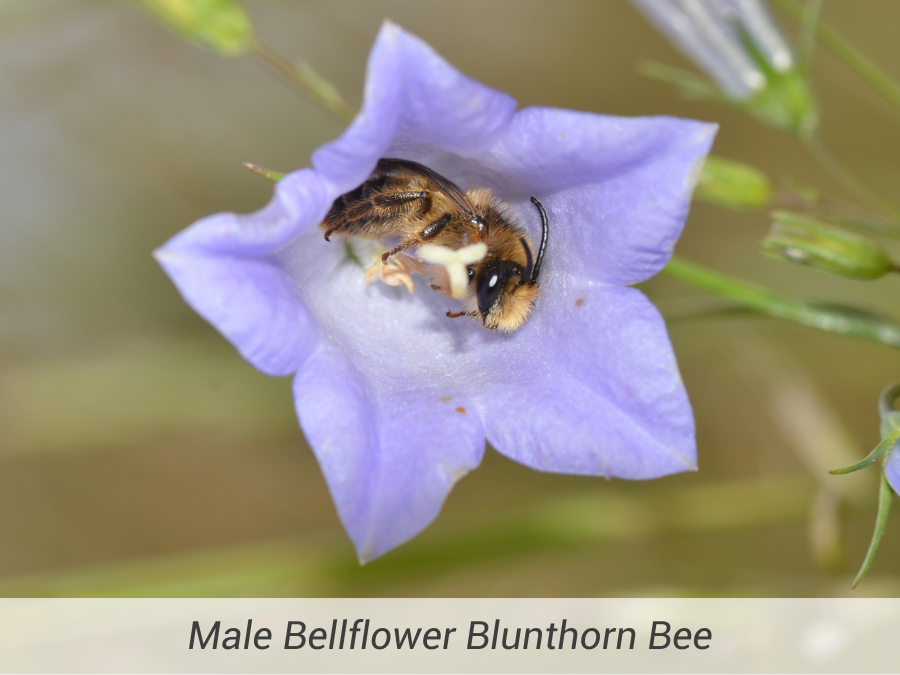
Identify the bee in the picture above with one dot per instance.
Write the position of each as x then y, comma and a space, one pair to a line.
405, 200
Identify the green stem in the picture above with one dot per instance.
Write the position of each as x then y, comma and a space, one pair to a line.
853, 59
767, 302
808, 22
884, 506
308, 81
859, 187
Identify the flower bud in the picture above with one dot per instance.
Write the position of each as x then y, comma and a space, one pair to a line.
803, 240
274, 176
733, 184
739, 46
221, 25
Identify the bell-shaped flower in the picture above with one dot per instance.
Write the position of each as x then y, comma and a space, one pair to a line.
395, 398
738, 44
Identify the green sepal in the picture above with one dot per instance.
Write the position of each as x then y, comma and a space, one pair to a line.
880, 450
265, 173
885, 494
786, 103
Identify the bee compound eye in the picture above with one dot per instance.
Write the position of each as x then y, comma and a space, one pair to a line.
488, 287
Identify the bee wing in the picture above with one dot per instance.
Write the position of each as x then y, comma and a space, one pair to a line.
448, 187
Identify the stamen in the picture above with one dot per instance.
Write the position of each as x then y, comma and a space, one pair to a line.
456, 262
396, 271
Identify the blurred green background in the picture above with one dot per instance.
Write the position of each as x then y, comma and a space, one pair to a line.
140, 455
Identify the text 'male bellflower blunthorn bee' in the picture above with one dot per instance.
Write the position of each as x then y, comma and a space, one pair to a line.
574, 375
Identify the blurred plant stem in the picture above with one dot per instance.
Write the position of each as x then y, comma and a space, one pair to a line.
870, 73
225, 27
222, 26
812, 27
809, 21
811, 428
772, 304
323, 565
305, 78
858, 186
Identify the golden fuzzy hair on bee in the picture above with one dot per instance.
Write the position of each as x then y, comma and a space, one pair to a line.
406, 201
511, 310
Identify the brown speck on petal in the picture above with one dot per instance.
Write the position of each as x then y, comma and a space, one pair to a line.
461, 410
444, 399
579, 302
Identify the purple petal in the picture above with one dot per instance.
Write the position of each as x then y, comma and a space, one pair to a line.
621, 185
413, 96
892, 469
222, 265
605, 396
390, 454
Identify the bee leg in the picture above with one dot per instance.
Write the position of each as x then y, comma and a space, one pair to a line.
429, 232
329, 232
401, 198
396, 273
412, 242
434, 229
456, 315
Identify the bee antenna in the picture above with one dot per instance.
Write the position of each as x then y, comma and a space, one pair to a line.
529, 262
545, 232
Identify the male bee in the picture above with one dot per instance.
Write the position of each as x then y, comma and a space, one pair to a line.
403, 199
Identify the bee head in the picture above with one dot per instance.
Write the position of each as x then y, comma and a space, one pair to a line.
505, 295
505, 291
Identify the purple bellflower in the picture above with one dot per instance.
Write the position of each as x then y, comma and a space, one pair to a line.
892, 469
397, 400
